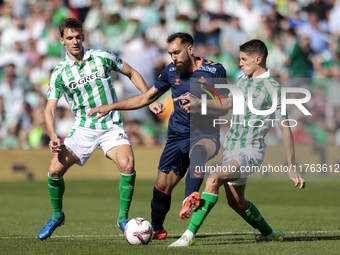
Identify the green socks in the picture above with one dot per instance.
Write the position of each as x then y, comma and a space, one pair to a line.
208, 201
126, 189
254, 218
56, 187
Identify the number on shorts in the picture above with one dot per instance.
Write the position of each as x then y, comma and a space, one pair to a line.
71, 133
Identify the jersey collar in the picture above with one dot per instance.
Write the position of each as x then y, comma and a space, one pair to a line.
199, 65
264, 75
85, 57
261, 77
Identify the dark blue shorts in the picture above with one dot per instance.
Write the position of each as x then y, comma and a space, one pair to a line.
175, 156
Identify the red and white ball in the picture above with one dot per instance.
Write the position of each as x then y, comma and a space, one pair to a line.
138, 231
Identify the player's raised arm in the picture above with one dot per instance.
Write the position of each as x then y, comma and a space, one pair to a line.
288, 143
190, 104
132, 103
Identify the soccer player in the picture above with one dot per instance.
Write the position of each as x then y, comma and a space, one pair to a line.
84, 77
188, 142
244, 147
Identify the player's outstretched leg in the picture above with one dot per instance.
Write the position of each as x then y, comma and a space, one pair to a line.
126, 190
190, 204
208, 201
256, 220
56, 187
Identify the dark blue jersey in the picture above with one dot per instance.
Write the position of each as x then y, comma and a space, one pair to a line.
208, 73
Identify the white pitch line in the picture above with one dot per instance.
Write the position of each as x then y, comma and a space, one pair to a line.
198, 234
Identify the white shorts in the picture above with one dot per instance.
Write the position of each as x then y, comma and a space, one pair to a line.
249, 160
83, 141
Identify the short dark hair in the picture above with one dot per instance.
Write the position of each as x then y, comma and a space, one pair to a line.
185, 38
70, 23
255, 47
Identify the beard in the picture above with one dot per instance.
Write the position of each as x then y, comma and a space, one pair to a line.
184, 68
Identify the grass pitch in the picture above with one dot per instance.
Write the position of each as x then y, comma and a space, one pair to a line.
309, 219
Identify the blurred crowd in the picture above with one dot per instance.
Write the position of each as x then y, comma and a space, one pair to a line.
302, 36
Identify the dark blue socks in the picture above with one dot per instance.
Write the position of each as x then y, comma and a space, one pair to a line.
194, 179
160, 205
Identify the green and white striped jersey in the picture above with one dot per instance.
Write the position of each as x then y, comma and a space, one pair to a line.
87, 86
249, 130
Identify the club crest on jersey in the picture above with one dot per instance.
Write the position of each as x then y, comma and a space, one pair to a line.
256, 93
177, 82
92, 65
88, 78
202, 80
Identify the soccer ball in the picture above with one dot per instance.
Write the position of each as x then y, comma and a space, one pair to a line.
138, 231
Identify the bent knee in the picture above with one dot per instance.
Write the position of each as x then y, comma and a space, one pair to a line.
165, 188
127, 165
56, 171
213, 184
166, 181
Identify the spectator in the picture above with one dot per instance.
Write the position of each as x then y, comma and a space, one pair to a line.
316, 30
320, 8
298, 61
249, 17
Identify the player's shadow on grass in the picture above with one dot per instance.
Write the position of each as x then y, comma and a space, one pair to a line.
211, 239
310, 238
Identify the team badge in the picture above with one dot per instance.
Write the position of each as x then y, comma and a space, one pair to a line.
202, 80
92, 65
256, 93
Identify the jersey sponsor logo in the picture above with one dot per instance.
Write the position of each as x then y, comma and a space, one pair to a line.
88, 78
208, 69
183, 101
177, 82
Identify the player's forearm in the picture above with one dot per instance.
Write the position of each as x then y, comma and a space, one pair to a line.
138, 81
132, 103
50, 122
288, 143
